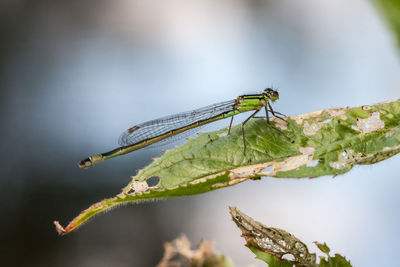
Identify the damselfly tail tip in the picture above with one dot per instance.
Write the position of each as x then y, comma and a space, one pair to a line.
85, 164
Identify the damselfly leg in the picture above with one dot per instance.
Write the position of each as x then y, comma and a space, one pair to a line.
230, 126
276, 112
270, 124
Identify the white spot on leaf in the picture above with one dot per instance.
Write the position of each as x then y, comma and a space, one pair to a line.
332, 113
372, 124
346, 159
282, 124
139, 186
307, 150
311, 129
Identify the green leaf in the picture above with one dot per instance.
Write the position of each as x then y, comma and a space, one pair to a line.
390, 9
269, 259
326, 142
323, 247
337, 261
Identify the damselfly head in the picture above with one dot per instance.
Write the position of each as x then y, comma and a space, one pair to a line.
272, 94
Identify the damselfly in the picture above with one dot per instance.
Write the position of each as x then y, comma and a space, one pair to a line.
151, 132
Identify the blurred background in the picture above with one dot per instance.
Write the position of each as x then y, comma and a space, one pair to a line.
75, 74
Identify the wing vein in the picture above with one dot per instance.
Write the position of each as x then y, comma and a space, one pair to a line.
157, 127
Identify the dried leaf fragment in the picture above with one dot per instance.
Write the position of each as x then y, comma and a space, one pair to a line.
179, 254
274, 241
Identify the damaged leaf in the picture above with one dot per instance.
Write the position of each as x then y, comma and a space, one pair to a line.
284, 248
279, 248
325, 142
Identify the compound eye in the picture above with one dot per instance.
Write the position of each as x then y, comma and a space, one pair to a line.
269, 91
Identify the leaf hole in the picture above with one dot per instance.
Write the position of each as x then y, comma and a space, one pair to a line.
153, 181
312, 163
366, 107
270, 168
288, 257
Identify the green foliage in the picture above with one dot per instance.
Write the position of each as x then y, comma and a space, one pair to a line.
326, 142
390, 9
272, 261
337, 261
323, 247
